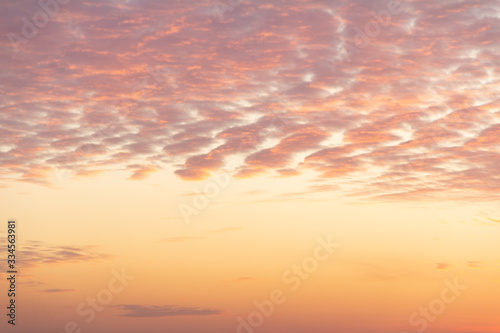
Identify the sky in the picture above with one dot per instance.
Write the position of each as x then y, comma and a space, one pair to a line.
223, 166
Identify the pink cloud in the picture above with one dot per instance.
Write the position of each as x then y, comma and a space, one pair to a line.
152, 84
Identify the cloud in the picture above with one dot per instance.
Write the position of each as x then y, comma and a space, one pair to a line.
36, 253
475, 264
288, 172
493, 220
142, 171
276, 89
443, 265
142, 311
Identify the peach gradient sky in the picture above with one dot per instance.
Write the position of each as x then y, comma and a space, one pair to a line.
372, 123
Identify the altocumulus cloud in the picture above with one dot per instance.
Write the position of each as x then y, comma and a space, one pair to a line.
268, 83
